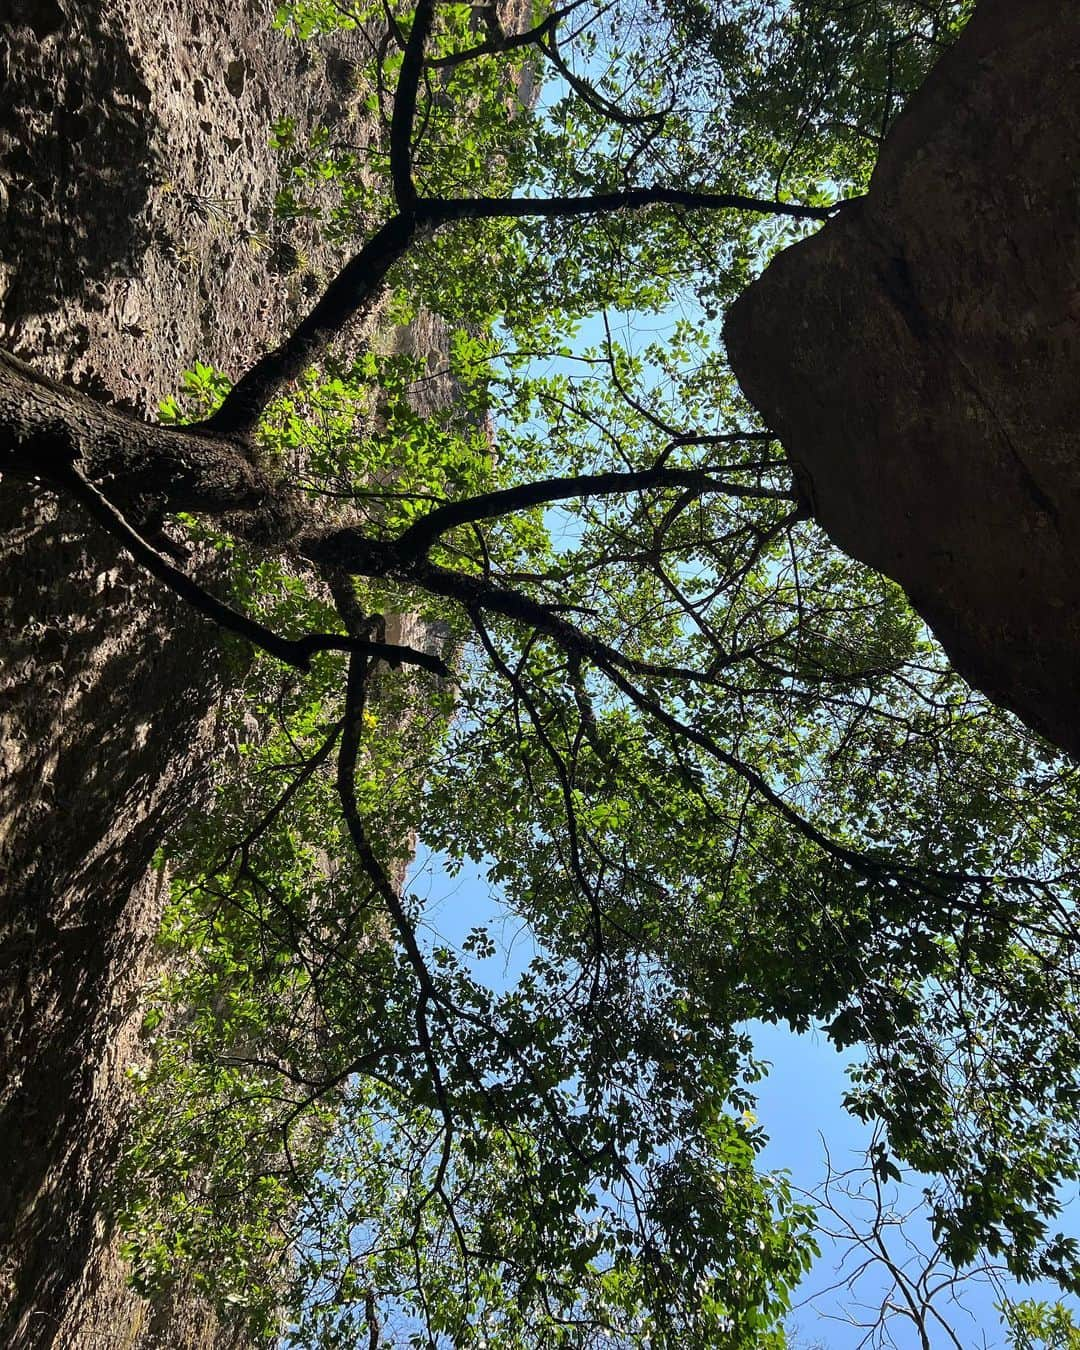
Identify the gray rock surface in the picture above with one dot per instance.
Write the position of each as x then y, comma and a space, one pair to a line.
136, 236
920, 360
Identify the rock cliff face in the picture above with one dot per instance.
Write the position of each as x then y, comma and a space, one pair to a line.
110, 700
920, 360
136, 182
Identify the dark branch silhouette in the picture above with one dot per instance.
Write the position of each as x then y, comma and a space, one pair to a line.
295, 652
423, 533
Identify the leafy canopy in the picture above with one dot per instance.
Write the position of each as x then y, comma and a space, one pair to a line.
713, 769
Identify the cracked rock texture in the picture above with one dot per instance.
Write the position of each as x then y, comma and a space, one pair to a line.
136, 235
920, 360
137, 180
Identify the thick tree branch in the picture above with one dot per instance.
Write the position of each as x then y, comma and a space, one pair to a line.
349, 549
352, 551
423, 533
360, 282
355, 288
47, 427
441, 211
404, 115
293, 651
500, 42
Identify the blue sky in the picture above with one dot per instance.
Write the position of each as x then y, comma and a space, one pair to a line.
799, 1103
799, 1106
